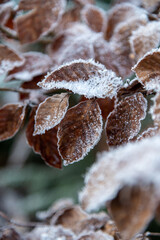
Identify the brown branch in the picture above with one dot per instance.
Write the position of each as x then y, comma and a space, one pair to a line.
149, 234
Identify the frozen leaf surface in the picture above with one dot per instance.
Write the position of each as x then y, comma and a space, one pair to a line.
5, 12
155, 110
124, 122
79, 131
10, 233
84, 2
45, 145
94, 18
50, 112
35, 64
147, 70
95, 236
150, 132
43, 18
121, 167
11, 119
9, 59
145, 38
85, 78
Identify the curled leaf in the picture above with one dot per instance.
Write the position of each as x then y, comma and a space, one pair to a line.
124, 122
147, 70
45, 145
35, 64
11, 119
9, 59
43, 18
150, 132
79, 131
50, 112
85, 78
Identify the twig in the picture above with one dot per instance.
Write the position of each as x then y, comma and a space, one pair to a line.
30, 224
14, 90
8, 32
149, 234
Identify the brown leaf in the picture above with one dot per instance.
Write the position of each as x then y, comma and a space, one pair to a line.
145, 38
106, 105
84, 2
150, 132
95, 236
79, 131
147, 70
85, 78
5, 12
10, 233
35, 64
45, 145
149, 3
155, 110
50, 112
132, 208
9, 59
94, 17
11, 119
38, 22
124, 122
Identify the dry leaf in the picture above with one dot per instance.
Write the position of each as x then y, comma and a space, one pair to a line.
106, 105
132, 208
43, 18
95, 236
5, 12
150, 132
11, 119
35, 64
10, 233
79, 131
94, 17
145, 38
9, 59
149, 3
45, 145
125, 121
50, 112
155, 110
85, 78
147, 70
84, 2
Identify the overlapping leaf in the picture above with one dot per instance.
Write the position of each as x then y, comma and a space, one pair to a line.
50, 112
135, 164
155, 110
85, 78
43, 18
147, 70
124, 122
79, 131
9, 59
145, 38
84, 2
150, 132
11, 119
45, 145
35, 64
5, 12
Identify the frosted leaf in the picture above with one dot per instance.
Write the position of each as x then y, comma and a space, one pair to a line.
50, 233
150, 3
147, 70
45, 145
129, 165
85, 78
150, 132
50, 112
145, 38
43, 18
84, 2
11, 119
125, 121
10, 233
9, 59
79, 131
123, 14
155, 110
132, 209
94, 17
95, 236
106, 105
35, 64
5, 12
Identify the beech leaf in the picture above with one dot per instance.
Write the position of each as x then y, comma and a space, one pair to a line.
79, 131
38, 22
85, 78
11, 119
147, 70
123, 123
155, 110
50, 112
9, 59
45, 145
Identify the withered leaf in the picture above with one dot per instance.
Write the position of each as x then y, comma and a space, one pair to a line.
106, 105
35, 64
79, 131
84, 2
85, 78
94, 17
147, 70
9, 59
124, 122
132, 208
11, 119
149, 3
43, 18
10, 233
95, 236
145, 38
155, 110
50, 112
150, 132
5, 12
45, 145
